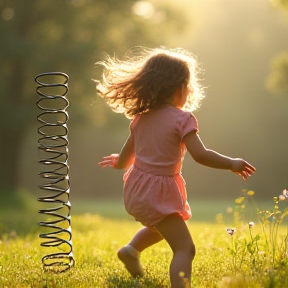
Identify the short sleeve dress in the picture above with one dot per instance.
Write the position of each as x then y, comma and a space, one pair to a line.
153, 185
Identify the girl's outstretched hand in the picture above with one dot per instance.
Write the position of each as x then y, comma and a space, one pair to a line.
109, 161
242, 168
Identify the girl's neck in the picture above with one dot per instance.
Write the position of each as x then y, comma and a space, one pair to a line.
168, 104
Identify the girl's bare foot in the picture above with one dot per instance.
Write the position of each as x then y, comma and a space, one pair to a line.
130, 257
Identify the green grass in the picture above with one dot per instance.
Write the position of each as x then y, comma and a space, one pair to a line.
253, 257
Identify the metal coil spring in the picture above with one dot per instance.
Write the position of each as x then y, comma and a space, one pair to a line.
53, 156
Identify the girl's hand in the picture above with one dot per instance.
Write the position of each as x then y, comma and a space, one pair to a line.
109, 161
242, 168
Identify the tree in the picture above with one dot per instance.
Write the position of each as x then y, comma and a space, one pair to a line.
65, 35
278, 78
281, 3
277, 81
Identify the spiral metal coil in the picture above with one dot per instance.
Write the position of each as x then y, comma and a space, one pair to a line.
53, 157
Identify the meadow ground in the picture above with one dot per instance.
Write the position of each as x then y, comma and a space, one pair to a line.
253, 256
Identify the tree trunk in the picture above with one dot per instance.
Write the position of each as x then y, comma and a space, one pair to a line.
16, 107
16, 117
10, 148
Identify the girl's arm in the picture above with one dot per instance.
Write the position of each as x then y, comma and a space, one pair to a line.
212, 159
122, 160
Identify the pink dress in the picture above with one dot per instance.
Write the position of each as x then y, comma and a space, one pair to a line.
153, 185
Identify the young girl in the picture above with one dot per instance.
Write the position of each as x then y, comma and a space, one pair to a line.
158, 90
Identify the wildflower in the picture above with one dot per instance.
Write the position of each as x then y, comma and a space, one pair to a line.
231, 231
239, 200
181, 274
244, 191
229, 210
282, 197
250, 193
251, 224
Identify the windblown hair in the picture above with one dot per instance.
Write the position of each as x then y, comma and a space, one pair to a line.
146, 81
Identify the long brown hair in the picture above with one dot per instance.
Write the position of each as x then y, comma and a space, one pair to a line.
148, 80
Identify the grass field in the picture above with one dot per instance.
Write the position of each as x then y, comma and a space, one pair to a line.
254, 256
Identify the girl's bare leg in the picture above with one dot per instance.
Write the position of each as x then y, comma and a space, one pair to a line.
175, 231
145, 238
130, 253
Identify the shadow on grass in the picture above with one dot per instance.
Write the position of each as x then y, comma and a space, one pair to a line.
116, 281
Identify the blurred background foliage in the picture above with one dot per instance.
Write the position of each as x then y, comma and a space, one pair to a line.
69, 36
242, 46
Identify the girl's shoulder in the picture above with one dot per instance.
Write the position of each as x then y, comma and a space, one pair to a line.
186, 122
134, 122
180, 115
166, 113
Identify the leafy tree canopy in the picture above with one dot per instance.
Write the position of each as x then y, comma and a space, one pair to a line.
69, 36
277, 81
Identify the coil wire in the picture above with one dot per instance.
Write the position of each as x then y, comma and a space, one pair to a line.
53, 157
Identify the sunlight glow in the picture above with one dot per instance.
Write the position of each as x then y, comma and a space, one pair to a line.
8, 13
143, 9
